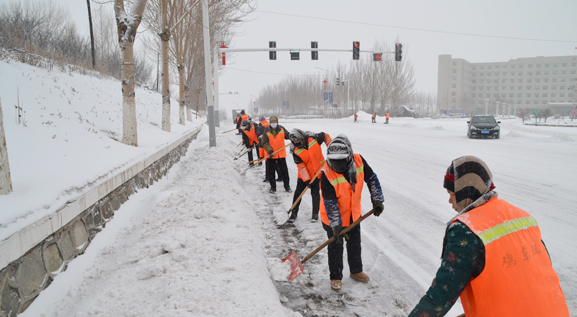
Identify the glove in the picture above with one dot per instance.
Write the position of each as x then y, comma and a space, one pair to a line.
311, 184
336, 231
378, 208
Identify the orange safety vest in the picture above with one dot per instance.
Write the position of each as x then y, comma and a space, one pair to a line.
356, 116
276, 142
265, 123
250, 131
349, 202
518, 278
387, 115
243, 118
312, 159
374, 114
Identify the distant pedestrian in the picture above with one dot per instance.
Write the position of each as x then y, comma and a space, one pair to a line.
249, 138
356, 116
493, 255
308, 156
341, 186
387, 118
374, 116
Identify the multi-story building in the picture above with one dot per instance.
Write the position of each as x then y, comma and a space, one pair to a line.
502, 87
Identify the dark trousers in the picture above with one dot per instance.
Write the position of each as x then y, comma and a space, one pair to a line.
373, 120
250, 158
270, 169
301, 185
335, 251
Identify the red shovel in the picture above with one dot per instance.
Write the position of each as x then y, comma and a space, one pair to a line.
297, 266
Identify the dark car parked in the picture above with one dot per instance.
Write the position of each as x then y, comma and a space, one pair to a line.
483, 126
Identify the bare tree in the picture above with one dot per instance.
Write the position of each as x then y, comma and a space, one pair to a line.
127, 24
5, 181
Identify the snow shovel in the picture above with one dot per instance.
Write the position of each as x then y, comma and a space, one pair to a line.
228, 131
247, 150
304, 191
297, 266
239, 144
237, 155
262, 159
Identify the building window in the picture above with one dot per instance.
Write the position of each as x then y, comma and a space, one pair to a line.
474, 67
555, 73
473, 95
564, 64
554, 80
474, 81
520, 73
546, 73
563, 80
496, 73
488, 95
504, 81
512, 80
538, 80
480, 88
512, 88
496, 66
561, 94
454, 71
563, 72
454, 78
572, 72
537, 87
481, 74
512, 66
489, 74
555, 64
562, 87
546, 65
546, 80
535, 102
570, 95
537, 73
573, 64
520, 80
511, 95
504, 66
454, 63
571, 80
553, 95
453, 101
512, 73
529, 65
520, 65
544, 94
528, 87
454, 85
481, 67
454, 93
519, 95
474, 74
474, 88
536, 94
554, 87
538, 65
528, 95
545, 87
519, 87
544, 102
488, 87
503, 95
529, 80
495, 95
529, 73
489, 66
503, 88
518, 102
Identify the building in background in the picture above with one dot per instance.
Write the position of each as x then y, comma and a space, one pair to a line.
499, 88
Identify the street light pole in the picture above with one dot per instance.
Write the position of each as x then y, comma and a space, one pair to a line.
208, 75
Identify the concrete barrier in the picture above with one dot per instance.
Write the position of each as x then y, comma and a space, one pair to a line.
32, 257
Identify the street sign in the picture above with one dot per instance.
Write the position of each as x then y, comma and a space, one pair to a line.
328, 97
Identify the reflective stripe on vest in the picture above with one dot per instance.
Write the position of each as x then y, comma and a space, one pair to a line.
265, 123
349, 202
276, 142
312, 160
518, 278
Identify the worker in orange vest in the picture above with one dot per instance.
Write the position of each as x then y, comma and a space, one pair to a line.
387, 118
243, 117
356, 116
272, 141
493, 256
249, 138
374, 116
341, 187
308, 156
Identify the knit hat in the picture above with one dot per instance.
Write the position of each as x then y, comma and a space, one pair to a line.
273, 118
469, 178
298, 138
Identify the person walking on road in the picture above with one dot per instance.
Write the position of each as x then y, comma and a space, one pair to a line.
387, 118
493, 255
341, 186
373, 117
356, 116
272, 141
308, 156
249, 138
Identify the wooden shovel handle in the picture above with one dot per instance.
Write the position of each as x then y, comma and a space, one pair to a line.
363, 217
304, 191
273, 153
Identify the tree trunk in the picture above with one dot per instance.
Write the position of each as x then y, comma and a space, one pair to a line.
164, 37
127, 25
129, 125
5, 181
187, 103
181, 118
91, 34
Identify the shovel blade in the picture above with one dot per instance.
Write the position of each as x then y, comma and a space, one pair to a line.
296, 265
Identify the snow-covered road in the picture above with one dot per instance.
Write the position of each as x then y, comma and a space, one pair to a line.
198, 242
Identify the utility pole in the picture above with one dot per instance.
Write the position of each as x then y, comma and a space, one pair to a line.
208, 75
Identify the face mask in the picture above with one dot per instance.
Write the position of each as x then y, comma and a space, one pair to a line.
274, 125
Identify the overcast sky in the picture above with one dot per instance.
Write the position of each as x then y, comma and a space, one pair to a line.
478, 31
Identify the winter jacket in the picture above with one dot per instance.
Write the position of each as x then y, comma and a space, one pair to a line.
249, 135
273, 140
339, 202
309, 158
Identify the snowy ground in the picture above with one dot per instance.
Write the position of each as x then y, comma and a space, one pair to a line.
207, 239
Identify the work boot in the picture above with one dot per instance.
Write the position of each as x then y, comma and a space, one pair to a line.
265, 180
315, 218
293, 217
288, 189
336, 285
361, 277
272, 191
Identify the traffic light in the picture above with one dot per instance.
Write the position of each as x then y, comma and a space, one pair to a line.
272, 54
337, 81
314, 54
356, 50
398, 52
377, 57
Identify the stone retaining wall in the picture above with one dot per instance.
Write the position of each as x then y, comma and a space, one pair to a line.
23, 279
